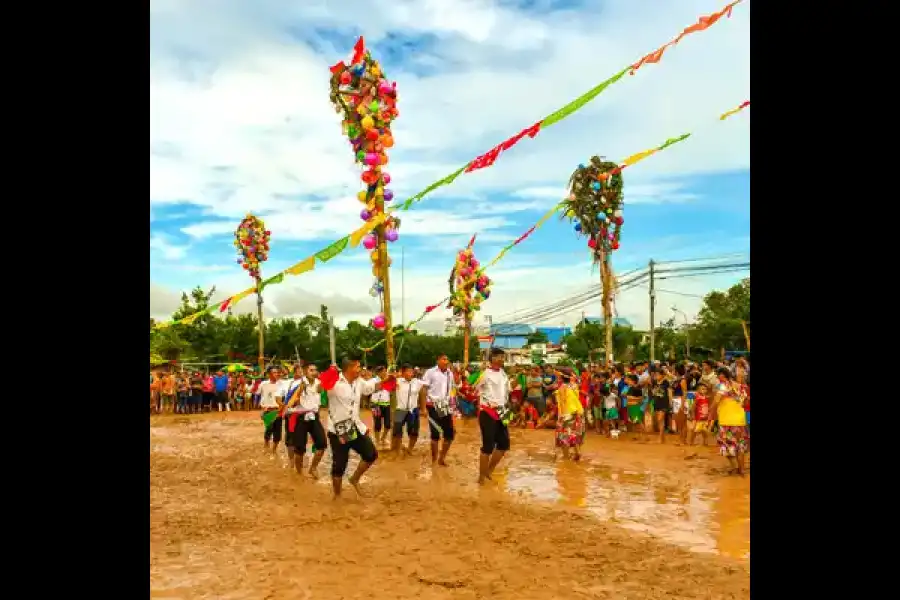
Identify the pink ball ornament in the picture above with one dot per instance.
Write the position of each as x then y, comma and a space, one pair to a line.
385, 88
369, 242
371, 159
386, 177
592, 243
378, 322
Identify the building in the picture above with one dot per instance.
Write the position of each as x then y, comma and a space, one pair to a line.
617, 321
511, 335
555, 334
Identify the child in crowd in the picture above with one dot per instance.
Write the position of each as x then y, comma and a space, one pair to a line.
701, 414
635, 402
527, 416
611, 411
548, 421
596, 393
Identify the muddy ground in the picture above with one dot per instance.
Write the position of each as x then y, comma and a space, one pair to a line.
631, 521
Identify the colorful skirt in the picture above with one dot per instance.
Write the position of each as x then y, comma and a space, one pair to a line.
635, 414
733, 440
570, 432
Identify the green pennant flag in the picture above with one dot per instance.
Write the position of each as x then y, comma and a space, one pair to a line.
440, 183
332, 250
276, 279
579, 102
269, 417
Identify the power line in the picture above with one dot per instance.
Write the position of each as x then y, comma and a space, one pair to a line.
684, 260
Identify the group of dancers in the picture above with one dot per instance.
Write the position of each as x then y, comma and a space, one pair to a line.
293, 406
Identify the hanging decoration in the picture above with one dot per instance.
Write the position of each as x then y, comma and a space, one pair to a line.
595, 205
367, 101
251, 240
469, 286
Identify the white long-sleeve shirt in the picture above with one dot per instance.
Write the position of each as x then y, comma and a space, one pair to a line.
493, 388
439, 384
343, 402
408, 393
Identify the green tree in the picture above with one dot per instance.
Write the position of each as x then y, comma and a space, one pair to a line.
538, 337
719, 320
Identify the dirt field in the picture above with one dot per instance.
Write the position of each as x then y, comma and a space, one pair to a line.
631, 521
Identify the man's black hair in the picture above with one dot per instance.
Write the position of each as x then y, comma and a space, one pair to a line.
405, 366
440, 356
709, 363
726, 372
347, 361
497, 352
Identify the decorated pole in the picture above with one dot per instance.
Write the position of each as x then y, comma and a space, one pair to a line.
251, 239
368, 102
469, 287
595, 204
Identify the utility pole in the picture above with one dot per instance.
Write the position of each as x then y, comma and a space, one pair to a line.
331, 340
402, 288
652, 314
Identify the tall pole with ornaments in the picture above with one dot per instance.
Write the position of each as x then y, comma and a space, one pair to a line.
595, 204
469, 287
251, 239
367, 101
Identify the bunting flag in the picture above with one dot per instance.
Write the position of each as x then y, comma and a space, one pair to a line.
631, 160
357, 236
489, 158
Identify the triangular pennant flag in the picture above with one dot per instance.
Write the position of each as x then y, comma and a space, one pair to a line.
307, 264
332, 250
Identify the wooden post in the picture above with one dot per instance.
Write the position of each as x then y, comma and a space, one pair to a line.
746, 334
262, 325
468, 326
386, 293
606, 281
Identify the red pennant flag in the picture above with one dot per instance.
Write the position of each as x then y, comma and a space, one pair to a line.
225, 304
359, 51
525, 235
329, 377
428, 309
472, 241
337, 68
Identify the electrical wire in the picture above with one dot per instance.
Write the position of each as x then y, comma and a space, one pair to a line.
684, 260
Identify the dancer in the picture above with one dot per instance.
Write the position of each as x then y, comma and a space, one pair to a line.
570, 428
408, 410
437, 387
292, 392
271, 393
346, 431
634, 397
701, 415
493, 387
661, 399
381, 407
303, 409
733, 437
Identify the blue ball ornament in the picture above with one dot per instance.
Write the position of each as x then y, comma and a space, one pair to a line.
595, 186
601, 216
578, 227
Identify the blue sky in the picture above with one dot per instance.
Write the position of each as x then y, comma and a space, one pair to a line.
240, 121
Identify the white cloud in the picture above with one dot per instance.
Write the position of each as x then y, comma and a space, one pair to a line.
240, 121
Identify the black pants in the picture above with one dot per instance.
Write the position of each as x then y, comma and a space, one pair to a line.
340, 453
383, 419
494, 434
309, 429
273, 431
222, 398
446, 424
208, 399
408, 418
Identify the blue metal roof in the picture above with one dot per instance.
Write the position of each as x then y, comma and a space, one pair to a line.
511, 329
617, 321
555, 334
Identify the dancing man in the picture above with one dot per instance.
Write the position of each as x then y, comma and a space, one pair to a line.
408, 410
494, 418
292, 390
271, 392
437, 387
346, 431
303, 420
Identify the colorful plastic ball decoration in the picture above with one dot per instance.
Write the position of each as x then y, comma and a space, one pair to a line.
378, 322
388, 195
365, 215
592, 243
578, 227
369, 242
391, 235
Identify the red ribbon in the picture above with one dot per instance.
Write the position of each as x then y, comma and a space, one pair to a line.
490, 157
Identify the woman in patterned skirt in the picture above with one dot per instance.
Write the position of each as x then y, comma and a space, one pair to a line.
733, 437
570, 427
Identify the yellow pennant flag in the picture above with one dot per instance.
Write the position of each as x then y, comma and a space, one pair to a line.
238, 297
307, 264
357, 236
638, 157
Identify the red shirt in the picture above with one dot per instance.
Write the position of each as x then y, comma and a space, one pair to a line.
701, 408
531, 414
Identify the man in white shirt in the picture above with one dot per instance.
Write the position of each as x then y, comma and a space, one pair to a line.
407, 410
381, 407
438, 390
346, 431
291, 388
271, 392
493, 389
303, 419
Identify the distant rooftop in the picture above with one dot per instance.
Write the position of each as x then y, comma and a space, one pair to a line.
617, 321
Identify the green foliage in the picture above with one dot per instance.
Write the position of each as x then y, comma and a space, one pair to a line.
719, 321
538, 337
212, 338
